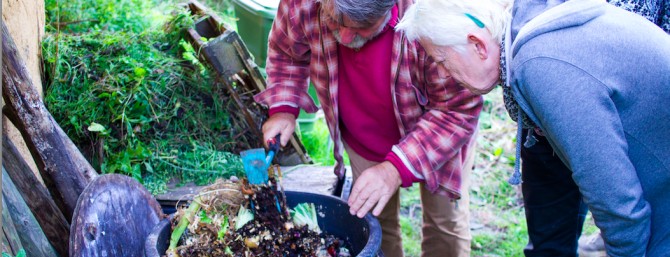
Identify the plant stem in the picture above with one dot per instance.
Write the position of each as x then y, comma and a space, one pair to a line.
183, 224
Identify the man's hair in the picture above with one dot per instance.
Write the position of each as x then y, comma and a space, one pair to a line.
448, 22
363, 12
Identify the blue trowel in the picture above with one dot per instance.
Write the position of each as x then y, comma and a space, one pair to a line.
256, 162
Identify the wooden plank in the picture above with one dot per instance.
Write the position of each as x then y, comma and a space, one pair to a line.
309, 178
51, 220
4, 244
30, 233
176, 193
217, 53
9, 233
114, 216
60, 169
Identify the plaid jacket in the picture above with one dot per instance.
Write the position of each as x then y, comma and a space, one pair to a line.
436, 118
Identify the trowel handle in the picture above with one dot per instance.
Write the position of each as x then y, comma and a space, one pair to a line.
274, 143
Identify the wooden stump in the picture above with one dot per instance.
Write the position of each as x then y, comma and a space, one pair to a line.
114, 215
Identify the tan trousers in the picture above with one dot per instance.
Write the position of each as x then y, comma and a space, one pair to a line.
445, 230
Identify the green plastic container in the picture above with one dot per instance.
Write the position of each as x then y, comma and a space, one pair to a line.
254, 23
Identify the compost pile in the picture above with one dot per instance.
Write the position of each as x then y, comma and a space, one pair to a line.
235, 218
131, 93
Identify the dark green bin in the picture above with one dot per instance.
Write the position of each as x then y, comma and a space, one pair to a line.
254, 23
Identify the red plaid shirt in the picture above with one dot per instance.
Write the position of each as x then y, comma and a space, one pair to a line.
436, 117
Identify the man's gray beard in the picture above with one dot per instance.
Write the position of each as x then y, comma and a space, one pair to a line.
359, 41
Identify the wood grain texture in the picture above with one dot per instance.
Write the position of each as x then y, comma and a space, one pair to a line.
114, 215
10, 237
30, 233
51, 220
61, 169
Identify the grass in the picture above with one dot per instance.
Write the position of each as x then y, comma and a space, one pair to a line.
318, 144
410, 220
496, 210
497, 218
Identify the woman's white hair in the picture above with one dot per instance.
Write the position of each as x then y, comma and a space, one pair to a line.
448, 22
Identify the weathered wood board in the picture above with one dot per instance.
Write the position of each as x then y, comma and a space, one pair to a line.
114, 215
10, 237
30, 233
51, 220
64, 172
309, 178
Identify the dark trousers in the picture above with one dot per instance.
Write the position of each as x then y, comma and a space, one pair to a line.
554, 208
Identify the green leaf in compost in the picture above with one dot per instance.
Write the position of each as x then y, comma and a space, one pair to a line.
305, 214
204, 218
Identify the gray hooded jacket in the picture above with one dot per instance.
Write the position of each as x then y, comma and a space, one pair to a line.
596, 80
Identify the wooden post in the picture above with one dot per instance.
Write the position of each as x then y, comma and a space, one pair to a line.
9, 234
32, 238
51, 220
60, 169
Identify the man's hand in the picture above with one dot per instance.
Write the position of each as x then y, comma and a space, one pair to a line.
281, 122
375, 186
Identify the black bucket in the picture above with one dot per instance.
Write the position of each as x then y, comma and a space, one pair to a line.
364, 236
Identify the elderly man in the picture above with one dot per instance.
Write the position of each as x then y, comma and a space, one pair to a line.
385, 103
593, 79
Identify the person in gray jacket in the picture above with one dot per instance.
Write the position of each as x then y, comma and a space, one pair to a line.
593, 78
658, 12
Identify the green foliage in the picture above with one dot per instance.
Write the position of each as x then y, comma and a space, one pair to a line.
495, 204
589, 225
410, 220
224, 227
204, 218
411, 236
505, 236
318, 144
94, 15
132, 96
496, 210
136, 16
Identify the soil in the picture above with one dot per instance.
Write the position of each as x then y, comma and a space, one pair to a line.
270, 233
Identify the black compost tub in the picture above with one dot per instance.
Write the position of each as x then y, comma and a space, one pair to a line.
363, 236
